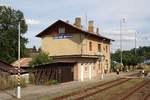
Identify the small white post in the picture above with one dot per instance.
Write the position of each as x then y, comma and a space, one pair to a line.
18, 92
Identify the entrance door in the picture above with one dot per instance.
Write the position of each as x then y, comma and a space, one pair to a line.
67, 74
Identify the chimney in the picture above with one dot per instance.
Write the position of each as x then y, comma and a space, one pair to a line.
67, 21
78, 22
91, 26
97, 31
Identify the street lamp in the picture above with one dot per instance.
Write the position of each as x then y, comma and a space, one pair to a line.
100, 59
18, 71
121, 22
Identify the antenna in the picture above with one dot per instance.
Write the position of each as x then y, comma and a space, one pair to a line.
135, 40
86, 20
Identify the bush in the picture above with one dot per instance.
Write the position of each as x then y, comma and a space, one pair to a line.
51, 82
41, 58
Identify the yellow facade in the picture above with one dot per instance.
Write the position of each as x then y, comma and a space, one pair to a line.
57, 47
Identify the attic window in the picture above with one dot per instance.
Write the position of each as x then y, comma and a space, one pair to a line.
61, 30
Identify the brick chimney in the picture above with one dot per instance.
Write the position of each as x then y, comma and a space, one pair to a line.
78, 22
91, 26
67, 21
97, 31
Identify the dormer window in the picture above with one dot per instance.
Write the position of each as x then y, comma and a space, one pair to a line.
61, 30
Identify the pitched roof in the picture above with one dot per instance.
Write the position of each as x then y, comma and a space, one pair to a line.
73, 26
24, 62
5, 67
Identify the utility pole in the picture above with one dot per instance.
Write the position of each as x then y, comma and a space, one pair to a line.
135, 41
86, 21
18, 76
18, 69
121, 24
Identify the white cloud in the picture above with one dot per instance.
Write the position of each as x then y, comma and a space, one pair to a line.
117, 32
4, 4
126, 34
33, 22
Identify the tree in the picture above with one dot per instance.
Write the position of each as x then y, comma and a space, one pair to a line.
9, 19
131, 58
41, 58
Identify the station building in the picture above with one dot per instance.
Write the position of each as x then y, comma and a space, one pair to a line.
88, 50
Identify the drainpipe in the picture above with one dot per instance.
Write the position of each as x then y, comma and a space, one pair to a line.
90, 71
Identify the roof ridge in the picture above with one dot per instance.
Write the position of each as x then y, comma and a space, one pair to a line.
84, 31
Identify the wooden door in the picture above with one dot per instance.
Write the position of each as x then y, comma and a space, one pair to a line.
67, 74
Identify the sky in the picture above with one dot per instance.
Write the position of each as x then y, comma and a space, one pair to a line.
108, 15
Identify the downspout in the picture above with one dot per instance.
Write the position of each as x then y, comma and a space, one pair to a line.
81, 44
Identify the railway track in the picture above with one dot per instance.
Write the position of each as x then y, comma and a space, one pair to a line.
147, 97
84, 93
140, 92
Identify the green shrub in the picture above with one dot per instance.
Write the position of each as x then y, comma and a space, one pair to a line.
51, 82
41, 58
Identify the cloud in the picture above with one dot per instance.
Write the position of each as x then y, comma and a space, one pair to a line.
126, 34
4, 4
117, 32
33, 22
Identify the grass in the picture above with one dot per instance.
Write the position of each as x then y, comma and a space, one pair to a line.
112, 92
52, 82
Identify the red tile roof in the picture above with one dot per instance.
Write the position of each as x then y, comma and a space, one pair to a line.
7, 68
24, 62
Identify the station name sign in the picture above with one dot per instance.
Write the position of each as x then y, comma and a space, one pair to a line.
63, 36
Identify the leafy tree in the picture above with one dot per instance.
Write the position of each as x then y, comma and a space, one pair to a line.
130, 57
113, 66
41, 58
9, 19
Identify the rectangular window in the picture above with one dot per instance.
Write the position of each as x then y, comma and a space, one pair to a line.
99, 47
61, 30
106, 48
90, 46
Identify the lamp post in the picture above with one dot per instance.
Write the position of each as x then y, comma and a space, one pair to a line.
121, 22
18, 71
100, 59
